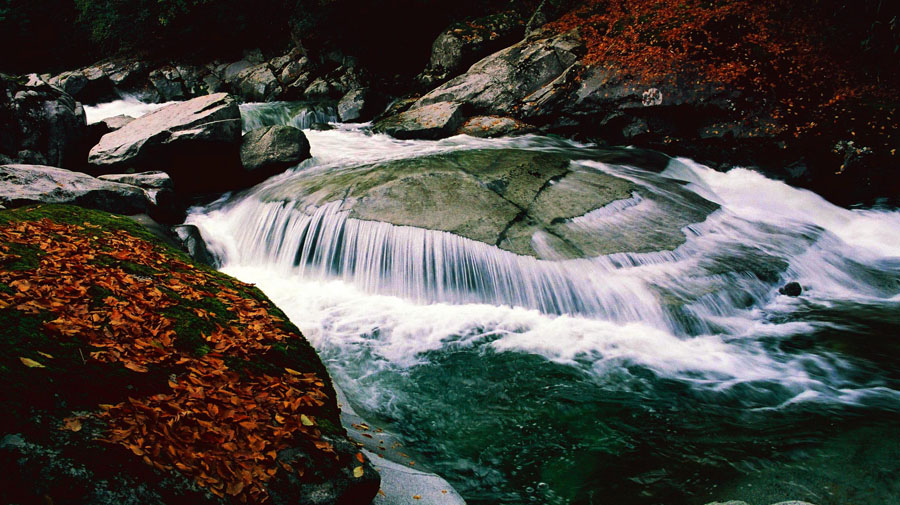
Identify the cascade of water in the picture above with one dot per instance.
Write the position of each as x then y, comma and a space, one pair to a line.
297, 114
424, 265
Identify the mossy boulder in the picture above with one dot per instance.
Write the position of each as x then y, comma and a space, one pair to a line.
528, 202
130, 374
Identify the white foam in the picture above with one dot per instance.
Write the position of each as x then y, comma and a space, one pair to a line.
752, 196
127, 106
399, 334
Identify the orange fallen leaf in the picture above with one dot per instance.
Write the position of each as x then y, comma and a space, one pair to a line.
135, 367
30, 363
71, 424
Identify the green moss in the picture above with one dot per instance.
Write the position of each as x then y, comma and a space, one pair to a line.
29, 256
190, 328
129, 267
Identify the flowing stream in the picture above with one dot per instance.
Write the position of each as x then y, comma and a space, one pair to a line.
662, 377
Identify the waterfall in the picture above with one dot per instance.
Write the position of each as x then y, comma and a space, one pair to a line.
297, 114
423, 265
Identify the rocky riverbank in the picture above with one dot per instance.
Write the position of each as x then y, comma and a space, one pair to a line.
520, 71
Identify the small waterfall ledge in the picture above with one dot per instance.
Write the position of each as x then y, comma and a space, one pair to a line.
422, 265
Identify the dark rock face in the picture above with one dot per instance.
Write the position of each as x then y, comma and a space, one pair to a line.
359, 105
431, 121
507, 79
192, 242
26, 184
196, 142
40, 123
269, 150
462, 44
163, 203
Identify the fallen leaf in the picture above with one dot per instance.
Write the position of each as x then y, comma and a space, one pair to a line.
358, 472
417, 497
305, 421
45, 355
137, 368
292, 371
360, 458
30, 363
71, 424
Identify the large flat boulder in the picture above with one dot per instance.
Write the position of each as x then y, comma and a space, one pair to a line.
527, 202
212, 118
196, 142
27, 184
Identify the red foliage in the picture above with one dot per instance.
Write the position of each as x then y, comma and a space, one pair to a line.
775, 47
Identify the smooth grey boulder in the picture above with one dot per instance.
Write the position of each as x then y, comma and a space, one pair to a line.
26, 184
196, 142
530, 203
431, 121
163, 203
500, 83
36, 117
269, 150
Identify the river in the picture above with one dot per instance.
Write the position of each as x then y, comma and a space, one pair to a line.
678, 376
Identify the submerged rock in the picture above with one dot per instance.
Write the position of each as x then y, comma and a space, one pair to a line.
27, 184
164, 205
792, 289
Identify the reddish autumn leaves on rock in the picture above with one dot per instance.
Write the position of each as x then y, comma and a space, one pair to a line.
770, 47
220, 427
